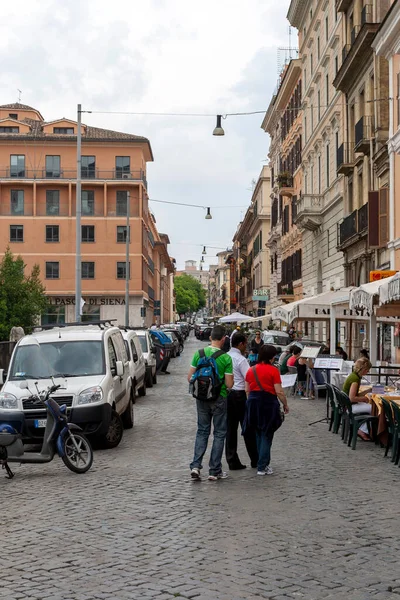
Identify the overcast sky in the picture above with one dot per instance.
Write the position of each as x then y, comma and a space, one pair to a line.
217, 56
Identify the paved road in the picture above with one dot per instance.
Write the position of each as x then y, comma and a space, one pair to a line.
325, 525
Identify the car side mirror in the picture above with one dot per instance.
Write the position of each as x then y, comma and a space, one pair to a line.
119, 368
24, 385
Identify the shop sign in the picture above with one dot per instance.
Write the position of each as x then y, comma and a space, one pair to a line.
232, 270
70, 301
377, 275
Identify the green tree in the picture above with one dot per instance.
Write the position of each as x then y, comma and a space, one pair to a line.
22, 297
190, 294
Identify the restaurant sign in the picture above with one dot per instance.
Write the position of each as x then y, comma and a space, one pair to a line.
261, 294
378, 275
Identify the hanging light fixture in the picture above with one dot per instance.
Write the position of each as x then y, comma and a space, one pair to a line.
208, 215
204, 250
202, 259
218, 129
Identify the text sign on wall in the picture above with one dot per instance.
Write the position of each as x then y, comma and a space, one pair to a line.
90, 301
232, 281
377, 275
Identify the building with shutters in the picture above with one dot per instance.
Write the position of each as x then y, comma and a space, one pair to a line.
250, 254
37, 217
362, 154
387, 45
320, 205
283, 123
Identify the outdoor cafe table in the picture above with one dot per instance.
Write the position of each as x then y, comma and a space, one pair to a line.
377, 410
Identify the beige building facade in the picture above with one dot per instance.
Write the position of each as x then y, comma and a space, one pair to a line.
283, 123
251, 258
320, 206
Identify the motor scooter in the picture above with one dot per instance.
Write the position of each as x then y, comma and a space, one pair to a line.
60, 437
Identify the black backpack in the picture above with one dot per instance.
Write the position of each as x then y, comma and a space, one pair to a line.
205, 383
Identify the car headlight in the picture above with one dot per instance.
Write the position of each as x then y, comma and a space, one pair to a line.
93, 394
8, 401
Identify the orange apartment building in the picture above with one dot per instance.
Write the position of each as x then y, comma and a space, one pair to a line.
37, 217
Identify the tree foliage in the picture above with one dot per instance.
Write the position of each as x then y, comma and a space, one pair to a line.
190, 294
22, 297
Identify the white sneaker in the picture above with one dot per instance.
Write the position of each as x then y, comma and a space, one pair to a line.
195, 474
221, 475
269, 470
261, 472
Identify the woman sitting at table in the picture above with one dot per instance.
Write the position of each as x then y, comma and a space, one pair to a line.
351, 387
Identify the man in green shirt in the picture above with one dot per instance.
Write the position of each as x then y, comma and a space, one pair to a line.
214, 411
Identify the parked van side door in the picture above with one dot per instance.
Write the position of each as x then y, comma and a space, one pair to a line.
118, 382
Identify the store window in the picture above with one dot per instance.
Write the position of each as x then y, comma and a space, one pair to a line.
90, 313
53, 315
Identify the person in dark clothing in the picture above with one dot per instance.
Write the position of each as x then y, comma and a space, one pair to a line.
255, 348
237, 406
340, 352
263, 384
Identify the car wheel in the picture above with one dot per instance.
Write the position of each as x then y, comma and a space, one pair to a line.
149, 380
154, 377
115, 431
142, 390
128, 415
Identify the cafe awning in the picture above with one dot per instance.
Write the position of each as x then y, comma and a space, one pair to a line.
390, 289
315, 308
364, 297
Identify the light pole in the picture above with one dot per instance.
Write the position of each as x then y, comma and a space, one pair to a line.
78, 259
127, 269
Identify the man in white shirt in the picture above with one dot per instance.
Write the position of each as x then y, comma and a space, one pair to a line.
237, 405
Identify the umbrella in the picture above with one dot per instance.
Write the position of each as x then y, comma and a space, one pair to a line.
237, 317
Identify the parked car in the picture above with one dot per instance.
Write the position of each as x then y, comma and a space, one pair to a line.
92, 366
177, 330
137, 363
164, 347
174, 339
150, 356
185, 326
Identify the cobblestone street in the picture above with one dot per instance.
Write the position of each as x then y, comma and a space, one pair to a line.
325, 525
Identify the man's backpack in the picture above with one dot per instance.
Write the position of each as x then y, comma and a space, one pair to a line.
205, 383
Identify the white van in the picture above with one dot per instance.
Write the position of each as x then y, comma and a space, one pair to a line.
150, 356
137, 363
91, 365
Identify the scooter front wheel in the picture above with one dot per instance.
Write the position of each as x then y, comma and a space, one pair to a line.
78, 453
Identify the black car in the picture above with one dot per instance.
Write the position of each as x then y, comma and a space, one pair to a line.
176, 339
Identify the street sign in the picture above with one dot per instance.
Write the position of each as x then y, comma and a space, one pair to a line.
377, 275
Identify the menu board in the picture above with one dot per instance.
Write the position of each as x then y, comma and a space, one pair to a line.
310, 351
288, 380
328, 362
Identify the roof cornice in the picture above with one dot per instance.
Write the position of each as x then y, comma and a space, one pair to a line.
296, 12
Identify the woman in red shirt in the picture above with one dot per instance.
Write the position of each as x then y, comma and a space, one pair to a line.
264, 387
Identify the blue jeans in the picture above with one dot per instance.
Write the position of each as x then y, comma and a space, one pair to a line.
264, 443
210, 412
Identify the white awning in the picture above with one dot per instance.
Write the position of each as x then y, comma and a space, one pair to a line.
363, 296
389, 291
313, 308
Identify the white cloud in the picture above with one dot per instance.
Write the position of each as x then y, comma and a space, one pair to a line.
158, 55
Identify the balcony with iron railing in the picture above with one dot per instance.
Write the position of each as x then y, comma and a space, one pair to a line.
345, 158
353, 227
363, 133
285, 183
285, 292
356, 50
70, 175
309, 211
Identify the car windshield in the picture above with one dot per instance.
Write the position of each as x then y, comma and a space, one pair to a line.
143, 343
169, 335
58, 359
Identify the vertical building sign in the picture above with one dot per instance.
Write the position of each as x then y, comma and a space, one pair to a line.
232, 264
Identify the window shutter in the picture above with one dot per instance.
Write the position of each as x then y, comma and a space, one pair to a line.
383, 216
373, 219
